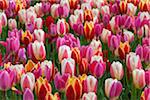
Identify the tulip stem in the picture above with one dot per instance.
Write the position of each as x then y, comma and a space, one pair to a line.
4, 93
133, 96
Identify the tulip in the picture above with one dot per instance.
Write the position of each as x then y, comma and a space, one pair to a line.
89, 30
73, 4
145, 94
105, 34
0, 27
97, 68
131, 9
89, 83
133, 62
22, 15
52, 30
76, 54
6, 80
28, 95
113, 42
78, 28
22, 55
62, 27
37, 71
45, 7
60, 81
54, 10
49, 20
146, 41
38, 9
146, 50
39, 35
89, 96
63, 11
139, 51
27, 81
26, 37
38, 23
96, 58
144, 5
80, 15
50, 96
98, 29
113, 88
68, 66
114, 9
42, 87
138, 78
31, 15
116, 70
12, 24
3, 19
129, 35
105, 10
30, 27
37, 51
147, 78
4, 4
122, 50
48, 69
73, 89
64, 52
88, 16
123, 6
29, 66
96, 44
83, 66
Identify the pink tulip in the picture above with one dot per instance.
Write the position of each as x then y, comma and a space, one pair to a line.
89, 96
22, 55
105, 34
147, 78
129, 34
60, 81
146, 50
145, 94
38, 9
63, 11
113, 88
38, 23
68, 66
12, 24
116, 70
37, 51
0, 27
139, 51
3, 19
113, 42
138, 78
61, 27
146, 41
46, 7
64, 52
133, 61
48, 69
28, 94
6, 79
39, 35
27, 81
90, 84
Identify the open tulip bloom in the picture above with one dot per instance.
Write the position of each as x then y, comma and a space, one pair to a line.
74, 49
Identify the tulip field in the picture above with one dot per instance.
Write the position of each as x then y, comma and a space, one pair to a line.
74, 49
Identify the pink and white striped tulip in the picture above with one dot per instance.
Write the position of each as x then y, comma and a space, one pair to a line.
61, 27
116, 70
39, 35
3, 18
27, 81
138, 78
28, 94
89, 96
131, 9
147, 78
12, 24
105, 34
22, 15
38, 23
64, 52
68, 66
113, 88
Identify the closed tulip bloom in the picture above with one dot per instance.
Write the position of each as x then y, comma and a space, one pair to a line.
0, 27
138, 78
89, 96
61, 27
38, 9
88, 15
73, 4
145, 94
129, 34
28, 94
26, 37
95, 44
123, 6
22, 55
76, 54
116, 70
22, 15
39, 35
64, 52
146, 50
89, 30
42, 87
96, 58
144, 5
63, 11
73, 88
54, 11
4, 4
3, 19
27, 81
68, 66
37, 51
38, 23
48, 69
113, 42
83, 66
105, 10
6, 80
139, 51
12, 24
60, 81
147, 78
133, 61
105, 34
131, 9
46, 7
50, 96
113, 88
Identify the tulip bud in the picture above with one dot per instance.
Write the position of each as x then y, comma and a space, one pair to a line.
39, 35
73, 88
27, 81
113, 88
38, 9
116, 70
138, 78
22, 55
96, 44
89, 96
28, 95
12, 24
68, 66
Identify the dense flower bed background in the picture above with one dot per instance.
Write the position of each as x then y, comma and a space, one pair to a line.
75, 49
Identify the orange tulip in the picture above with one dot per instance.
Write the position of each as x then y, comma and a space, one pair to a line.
26, 37
76, 54
50, 96
88, 16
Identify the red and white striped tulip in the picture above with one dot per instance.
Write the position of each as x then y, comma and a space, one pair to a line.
39, 35
89, 96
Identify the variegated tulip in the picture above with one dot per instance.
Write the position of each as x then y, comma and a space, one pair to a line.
54, 10
113, 42
131, 9
3, 19
83, 66
147, 78
105, 34
73, 4
60, 81
144, 5
50, 96
22, 55
133, 61
73, 88
4, 4
39, 35
26, 37
38, 23
42, 87
89, 30
123, 6
27, 81
37, 51
76, 54
38, 9
89, 96
12, 24
145, 94
88, 15
116, 70
138, 78
105, 10
113, 88
28, 94
48, 69
68, 66
96, 44
129, 35
22, 15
